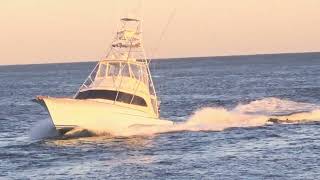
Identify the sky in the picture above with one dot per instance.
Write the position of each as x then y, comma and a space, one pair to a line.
48, 31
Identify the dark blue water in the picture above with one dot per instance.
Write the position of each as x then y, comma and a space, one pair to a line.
265, 84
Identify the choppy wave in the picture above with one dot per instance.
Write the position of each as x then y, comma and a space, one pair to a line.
255, 113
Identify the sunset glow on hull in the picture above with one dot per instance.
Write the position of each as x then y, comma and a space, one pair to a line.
97, 116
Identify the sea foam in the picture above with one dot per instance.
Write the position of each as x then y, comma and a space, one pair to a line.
255, 113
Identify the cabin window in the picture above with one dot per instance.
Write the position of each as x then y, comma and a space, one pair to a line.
114, 69
102, 70
139, 73
136, 71
111, 95
125, 70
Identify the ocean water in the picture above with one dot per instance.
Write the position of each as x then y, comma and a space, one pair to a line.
221, 108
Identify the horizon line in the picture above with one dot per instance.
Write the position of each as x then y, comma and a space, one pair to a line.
175, 58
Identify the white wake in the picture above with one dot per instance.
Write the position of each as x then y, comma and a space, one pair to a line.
255, 113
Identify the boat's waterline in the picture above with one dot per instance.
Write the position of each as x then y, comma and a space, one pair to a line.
98, 117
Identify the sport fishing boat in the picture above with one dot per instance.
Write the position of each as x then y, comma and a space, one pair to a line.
118, 94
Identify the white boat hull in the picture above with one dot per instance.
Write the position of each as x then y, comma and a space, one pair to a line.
96, 116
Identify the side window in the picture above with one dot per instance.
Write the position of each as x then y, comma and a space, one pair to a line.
114, 69
139, 101
127, 98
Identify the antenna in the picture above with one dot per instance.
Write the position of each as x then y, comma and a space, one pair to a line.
172, 14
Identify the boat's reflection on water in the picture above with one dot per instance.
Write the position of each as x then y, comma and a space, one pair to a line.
86, 138
106, 150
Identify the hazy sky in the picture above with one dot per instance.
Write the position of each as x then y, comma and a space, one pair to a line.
41, 31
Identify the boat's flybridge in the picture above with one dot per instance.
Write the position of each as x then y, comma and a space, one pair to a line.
123, 77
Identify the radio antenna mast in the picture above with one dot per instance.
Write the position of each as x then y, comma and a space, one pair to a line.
172, 14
